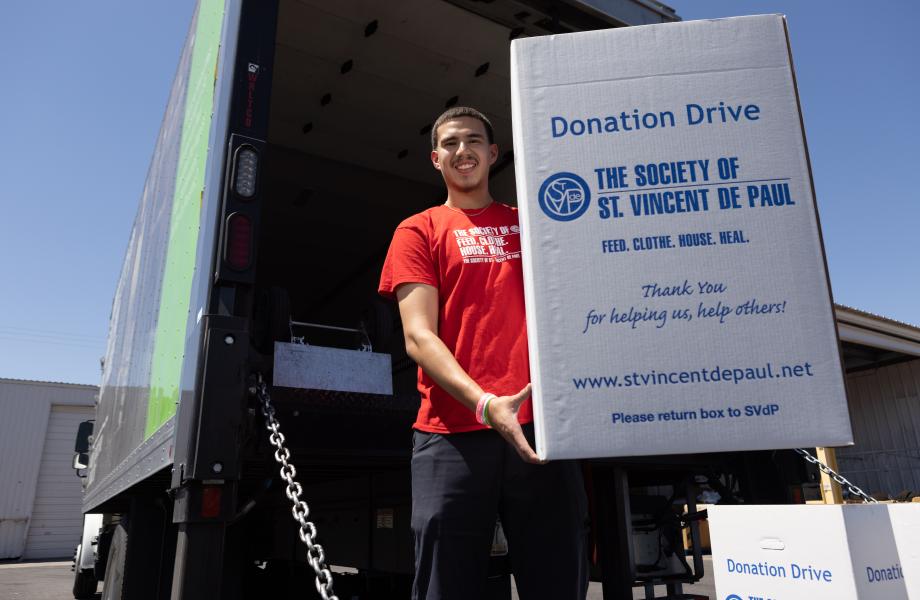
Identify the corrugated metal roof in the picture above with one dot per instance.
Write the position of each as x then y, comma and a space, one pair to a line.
866, 329
55, 383
890, 321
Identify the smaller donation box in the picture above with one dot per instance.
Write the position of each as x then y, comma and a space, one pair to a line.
844, 552
676, 289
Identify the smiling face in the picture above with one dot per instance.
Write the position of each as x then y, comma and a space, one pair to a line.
464, 154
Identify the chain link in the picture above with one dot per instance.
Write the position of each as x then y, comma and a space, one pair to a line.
837, 477
316, 556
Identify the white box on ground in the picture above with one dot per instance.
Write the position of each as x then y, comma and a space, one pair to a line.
675, 280
806, 552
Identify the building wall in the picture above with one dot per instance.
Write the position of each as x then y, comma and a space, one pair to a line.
885, 411
57, 519
26, 408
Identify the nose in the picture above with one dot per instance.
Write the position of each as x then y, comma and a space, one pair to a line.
464, 149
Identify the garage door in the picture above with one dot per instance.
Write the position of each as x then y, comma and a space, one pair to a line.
57, 522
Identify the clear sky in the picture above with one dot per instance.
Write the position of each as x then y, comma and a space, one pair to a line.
86, 83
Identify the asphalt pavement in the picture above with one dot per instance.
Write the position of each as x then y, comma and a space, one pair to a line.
37, 581
54, 580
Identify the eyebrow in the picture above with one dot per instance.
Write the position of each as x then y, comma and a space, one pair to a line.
453, 138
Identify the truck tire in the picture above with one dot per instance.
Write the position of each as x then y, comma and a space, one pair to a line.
114, 585
102, 552
84, 585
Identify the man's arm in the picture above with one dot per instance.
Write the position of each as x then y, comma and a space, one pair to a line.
418, 307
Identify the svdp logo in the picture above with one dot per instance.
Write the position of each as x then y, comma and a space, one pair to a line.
733, 597
564, 196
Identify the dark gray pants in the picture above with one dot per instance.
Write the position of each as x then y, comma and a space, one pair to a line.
460, 483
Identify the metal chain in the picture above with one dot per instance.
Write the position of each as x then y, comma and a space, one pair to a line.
300, 511
840, 479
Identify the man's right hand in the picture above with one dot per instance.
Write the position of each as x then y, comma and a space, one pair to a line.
503, 411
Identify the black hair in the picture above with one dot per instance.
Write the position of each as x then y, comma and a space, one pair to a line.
455, 113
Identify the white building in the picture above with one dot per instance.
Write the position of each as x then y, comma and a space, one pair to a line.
40, 494
882, 362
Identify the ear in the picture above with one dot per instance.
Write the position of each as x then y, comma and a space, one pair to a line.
435, 160
493, 154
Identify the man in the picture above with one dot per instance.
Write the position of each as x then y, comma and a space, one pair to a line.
455, 271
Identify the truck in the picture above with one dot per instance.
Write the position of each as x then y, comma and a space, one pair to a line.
250, 363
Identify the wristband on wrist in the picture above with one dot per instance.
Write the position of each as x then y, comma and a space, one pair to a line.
482, 409
485, 412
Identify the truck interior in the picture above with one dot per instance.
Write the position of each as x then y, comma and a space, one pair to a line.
355, 88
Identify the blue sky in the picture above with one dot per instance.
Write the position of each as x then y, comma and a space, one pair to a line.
86, 84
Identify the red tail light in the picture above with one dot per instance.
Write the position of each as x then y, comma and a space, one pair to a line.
238, 252
210, 501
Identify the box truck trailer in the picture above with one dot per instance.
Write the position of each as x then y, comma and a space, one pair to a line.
295, 139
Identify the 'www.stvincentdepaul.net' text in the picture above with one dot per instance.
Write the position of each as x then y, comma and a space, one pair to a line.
717, 374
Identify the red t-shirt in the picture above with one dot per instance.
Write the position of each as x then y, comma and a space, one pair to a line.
475, 263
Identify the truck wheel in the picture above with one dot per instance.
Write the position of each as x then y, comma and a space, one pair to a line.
84, 584
113, 588
102, 552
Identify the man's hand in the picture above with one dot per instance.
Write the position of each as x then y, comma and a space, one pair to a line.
503, 412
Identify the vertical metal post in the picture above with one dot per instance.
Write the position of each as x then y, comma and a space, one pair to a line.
696, 538
830, 489
614, 539
199, 561
201, 511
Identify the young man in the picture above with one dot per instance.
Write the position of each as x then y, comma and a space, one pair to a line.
455, 270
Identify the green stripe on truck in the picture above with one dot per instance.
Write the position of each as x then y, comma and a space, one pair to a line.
169, 340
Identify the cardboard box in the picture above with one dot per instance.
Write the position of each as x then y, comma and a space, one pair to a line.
807, 552
675, 279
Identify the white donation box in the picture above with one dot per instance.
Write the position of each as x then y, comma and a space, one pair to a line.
848, 552
676, 287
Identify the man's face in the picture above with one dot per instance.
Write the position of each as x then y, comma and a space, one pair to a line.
464, 153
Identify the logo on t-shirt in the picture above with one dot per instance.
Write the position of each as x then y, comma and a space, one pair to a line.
564, 196
488, 244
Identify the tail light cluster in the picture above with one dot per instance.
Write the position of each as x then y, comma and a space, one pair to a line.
245, 170
241, 210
